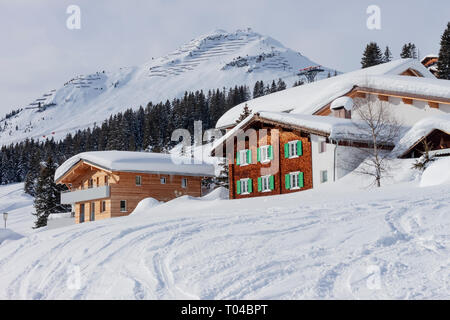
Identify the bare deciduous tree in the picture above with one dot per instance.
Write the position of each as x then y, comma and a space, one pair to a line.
376, 122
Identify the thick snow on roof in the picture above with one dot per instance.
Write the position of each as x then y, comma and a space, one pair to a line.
139, 162
335, 128
420, 130
308, 98
345, 102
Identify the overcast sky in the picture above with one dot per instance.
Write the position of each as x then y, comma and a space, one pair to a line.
39, 53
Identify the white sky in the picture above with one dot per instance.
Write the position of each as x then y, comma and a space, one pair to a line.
39, 53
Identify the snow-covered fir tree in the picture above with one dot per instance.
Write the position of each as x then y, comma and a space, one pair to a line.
372, 56
387, 56
443, 63
409, 51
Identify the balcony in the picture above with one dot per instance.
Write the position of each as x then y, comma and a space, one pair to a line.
85, 195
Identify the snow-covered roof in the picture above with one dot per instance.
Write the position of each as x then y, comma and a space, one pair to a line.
309, 98
333, 127
420, 130
345, 102
127, 161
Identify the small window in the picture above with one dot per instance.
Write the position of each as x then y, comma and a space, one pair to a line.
138, 180
244, 186
123, 206
106, 180
91, 183
243, 157
293, 149
323, 176
103, 207
184, 183
294, 180
92, 218
265, 183
265, 154
98, 181
163, 180
322, 146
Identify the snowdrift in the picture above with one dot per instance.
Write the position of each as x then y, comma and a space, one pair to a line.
437, 173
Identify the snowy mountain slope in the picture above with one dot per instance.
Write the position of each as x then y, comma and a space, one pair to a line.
388, 243
215, 60
19, 207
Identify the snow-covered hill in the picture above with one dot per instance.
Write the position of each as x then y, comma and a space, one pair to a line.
215, 60
387, 243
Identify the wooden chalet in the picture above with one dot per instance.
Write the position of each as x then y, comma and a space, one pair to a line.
110, 184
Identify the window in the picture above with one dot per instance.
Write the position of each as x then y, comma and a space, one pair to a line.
138, 180
106, 180
92, 218
293, 149
91, 183
243, 157
81, 212
293, 180
123, 206
322, 146
98, 181
103, 207
265, 154
244, 186
266, 183
163, 180
184, 183
323, 176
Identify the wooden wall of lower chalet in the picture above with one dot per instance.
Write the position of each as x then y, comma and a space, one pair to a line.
87, 210
278, 167
126, 189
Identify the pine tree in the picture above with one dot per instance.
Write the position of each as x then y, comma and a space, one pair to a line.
33, 173
371, 56
245, 113
47, 194
281, 85
387, 56
443, 63
409, 51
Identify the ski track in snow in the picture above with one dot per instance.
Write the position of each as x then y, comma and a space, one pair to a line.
283, 247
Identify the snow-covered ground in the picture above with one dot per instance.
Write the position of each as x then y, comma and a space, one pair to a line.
338, 241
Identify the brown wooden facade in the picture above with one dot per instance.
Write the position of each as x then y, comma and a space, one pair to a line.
123, 187
278, 167
436, 140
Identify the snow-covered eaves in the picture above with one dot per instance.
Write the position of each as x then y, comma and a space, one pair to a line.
311, 97
419, 131
144, 162
338, 129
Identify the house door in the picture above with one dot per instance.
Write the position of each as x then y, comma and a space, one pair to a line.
81, 212
92, 211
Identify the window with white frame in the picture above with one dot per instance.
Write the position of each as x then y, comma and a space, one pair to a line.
139, 180
244, 157
184, 182
292, 148
294, 180
245, 189
323, 176
265, 183
163, 180
264, 154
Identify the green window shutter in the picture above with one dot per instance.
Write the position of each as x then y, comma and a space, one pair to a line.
249, 156
286, 150
250, 185
238, 162
258, 155
272, 182
287, 181
238, 187
270, 153
300, 180
259, 184
299, 148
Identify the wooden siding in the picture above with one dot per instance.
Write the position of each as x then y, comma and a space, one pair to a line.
277, 167
123, 187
